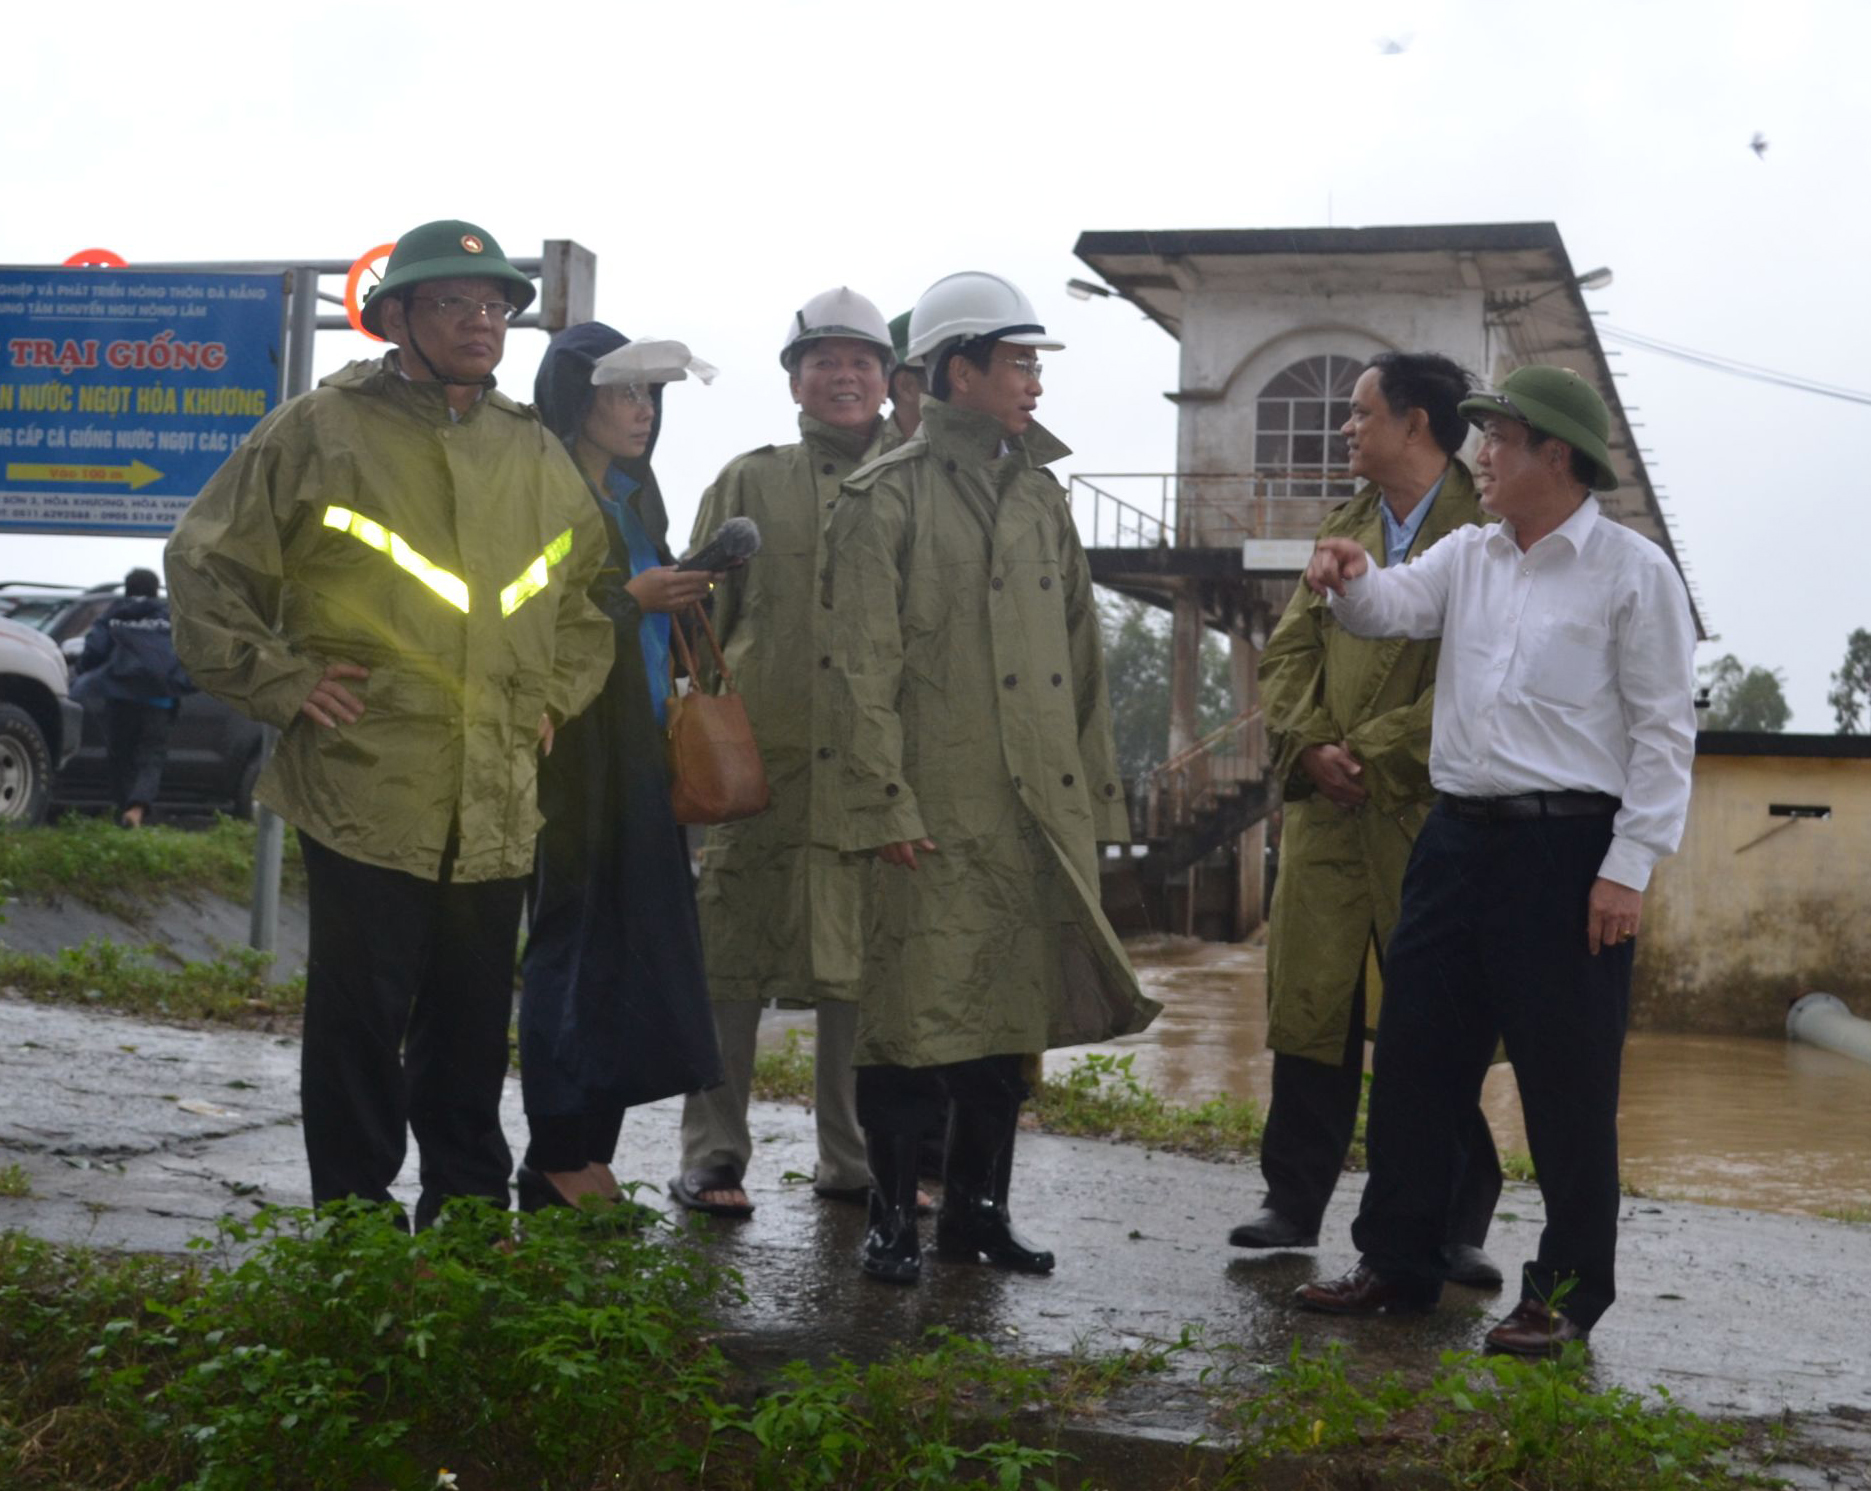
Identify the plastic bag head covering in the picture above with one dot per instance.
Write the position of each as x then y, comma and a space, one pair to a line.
836, 313
447, 250
648, 361
975, 305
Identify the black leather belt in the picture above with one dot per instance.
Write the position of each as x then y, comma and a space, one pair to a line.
1530, 805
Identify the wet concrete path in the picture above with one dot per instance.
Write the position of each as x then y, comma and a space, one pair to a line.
139, 1136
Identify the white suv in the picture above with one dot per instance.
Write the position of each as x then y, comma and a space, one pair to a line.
40, 723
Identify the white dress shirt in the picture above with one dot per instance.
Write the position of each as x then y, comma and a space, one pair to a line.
1567, 668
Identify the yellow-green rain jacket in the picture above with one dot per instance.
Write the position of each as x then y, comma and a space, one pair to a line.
361, 524
972, 710
781, 910
1341, 871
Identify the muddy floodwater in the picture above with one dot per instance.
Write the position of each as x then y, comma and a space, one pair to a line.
1730, 1120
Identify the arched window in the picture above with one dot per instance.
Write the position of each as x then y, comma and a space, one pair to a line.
1297, 448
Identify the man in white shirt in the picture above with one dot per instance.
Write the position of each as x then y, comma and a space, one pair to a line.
1563, 736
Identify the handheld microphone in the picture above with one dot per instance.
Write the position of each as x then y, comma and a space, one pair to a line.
734, 540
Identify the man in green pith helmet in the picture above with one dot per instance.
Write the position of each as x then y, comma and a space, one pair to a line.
392, 571
1560, 751
781, 910
908, 383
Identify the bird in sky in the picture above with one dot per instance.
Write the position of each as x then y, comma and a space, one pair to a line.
1758, 145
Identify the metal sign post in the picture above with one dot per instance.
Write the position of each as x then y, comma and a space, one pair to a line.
269, 832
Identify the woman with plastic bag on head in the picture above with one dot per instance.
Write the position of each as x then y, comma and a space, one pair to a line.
614, 1010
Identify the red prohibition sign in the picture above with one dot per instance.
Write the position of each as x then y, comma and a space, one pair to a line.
96, 258
366, 264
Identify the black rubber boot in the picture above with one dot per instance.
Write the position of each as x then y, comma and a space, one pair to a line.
892, 1250
973, 1221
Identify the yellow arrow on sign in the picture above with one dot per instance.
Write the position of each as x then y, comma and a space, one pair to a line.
136, 475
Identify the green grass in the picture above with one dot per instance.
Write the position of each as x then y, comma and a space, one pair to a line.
309, 1354
783, 1074
1854, 1216
1099, 1096
15, 1182
144, 981
1489, 1423
91, 860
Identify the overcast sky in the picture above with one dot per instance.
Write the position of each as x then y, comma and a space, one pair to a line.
726, 160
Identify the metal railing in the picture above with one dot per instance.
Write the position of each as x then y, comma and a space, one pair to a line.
1175, 794
1170, 509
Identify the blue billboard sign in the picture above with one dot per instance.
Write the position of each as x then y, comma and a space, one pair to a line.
122, 391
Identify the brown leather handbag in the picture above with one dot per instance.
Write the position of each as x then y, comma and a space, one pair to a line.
715, 771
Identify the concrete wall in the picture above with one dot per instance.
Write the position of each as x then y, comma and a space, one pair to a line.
1234, 341
1736, 925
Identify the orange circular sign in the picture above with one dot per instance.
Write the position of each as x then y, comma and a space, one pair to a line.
367, 263
95, 258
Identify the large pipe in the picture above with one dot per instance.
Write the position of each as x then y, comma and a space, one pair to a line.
1824, 1020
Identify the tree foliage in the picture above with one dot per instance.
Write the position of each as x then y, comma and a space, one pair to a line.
1743, 698
1136, 665
1850, 694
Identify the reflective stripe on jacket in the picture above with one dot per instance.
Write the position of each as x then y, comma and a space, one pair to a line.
361, 524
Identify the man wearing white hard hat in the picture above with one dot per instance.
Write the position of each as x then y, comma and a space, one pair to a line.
972, 736
780, 909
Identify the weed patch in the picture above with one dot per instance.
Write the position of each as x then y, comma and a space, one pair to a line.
15, 1182
1492, 1423
1099, 1096
784, 1074
308, 1353
92, 860
142, 981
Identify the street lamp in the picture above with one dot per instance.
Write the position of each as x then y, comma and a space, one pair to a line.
1085, 289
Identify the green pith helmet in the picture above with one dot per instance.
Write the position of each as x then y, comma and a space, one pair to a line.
447, 250
900, 339
1556, 402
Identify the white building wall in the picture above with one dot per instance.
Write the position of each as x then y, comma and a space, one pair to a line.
1235, 341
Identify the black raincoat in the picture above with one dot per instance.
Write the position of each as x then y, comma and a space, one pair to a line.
614, 1010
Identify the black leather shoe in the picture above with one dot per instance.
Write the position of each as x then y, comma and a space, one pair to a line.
1534, 1329
1268, 1229
1362, 1292
978, 1227
1468, 1265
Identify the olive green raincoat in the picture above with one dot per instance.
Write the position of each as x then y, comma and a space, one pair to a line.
361, 524
781, 909
972, 710
1341, 871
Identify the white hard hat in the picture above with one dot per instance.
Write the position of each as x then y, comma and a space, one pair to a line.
975, 304
836, 313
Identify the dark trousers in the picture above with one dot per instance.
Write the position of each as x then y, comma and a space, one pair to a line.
1491, 944
136, 742
916, 1099
561, 1143
1310, 1124
408, 993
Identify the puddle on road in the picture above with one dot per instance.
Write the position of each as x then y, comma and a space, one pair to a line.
1730, 1120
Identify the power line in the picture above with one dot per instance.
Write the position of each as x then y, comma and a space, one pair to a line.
1733, 366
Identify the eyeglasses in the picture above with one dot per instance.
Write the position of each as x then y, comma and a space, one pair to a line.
1026, 367
461, 308
632, 393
